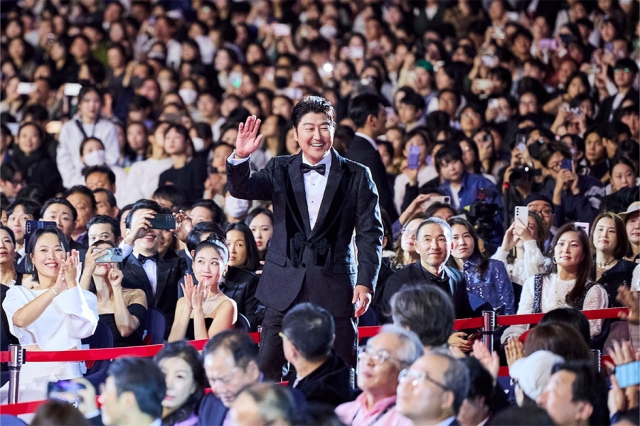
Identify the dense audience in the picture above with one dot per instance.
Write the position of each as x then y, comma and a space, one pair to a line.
455, 156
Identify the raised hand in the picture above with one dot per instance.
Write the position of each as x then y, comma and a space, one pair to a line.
198, 297
61, 283
248, 140
188, 288
514, 350
629, 299
139, 228
521, 231
115, 277
490, 360
90, 259
508, 243
69, 268
184, 225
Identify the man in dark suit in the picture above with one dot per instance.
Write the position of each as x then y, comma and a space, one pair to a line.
143, 268
624, 75
433, 244
319, 199
368, 113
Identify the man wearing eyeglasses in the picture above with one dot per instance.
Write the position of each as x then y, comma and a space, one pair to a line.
380, 363
542, 206
624, 74
432, 390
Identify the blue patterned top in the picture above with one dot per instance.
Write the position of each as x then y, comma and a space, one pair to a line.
493, 286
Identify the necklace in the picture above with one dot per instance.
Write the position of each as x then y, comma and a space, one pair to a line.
606, 266
212, 298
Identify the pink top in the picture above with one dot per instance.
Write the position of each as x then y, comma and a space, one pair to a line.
383, 413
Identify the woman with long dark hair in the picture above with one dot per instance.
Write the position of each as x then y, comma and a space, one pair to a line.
243, 251
566, 283
260, 221
185, 377
486, 278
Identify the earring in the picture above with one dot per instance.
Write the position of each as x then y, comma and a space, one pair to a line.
554, 260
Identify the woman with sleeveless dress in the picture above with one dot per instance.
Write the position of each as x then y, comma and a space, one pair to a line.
567, 283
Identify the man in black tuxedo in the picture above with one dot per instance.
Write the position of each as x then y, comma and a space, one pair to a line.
434, 244
319, 199
368, 113
143, 268
624, 75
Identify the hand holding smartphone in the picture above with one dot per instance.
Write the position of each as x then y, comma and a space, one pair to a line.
522, 213
413, 160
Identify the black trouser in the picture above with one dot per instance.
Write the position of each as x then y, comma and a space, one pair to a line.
271, 358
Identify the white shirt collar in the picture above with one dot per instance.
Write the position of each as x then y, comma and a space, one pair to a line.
447, 421
368, 138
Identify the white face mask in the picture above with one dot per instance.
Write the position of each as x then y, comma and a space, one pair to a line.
328, 31
95, 158
501, 118
188, 95
235, 207
198, 144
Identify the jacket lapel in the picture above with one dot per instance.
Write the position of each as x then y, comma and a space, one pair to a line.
333, 183
138, 271
297, 184
163, 269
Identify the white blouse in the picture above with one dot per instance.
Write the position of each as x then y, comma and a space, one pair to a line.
554, 292
143, 179
70, 317
521, 269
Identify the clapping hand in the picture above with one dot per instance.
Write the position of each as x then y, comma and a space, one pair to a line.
188, 288
70, 267
490, 360
514, 350
629, 299
248, 140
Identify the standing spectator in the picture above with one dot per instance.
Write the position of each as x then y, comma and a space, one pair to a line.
87, 123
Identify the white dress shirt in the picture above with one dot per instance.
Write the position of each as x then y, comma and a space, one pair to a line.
150, 267
371, 141
314, 184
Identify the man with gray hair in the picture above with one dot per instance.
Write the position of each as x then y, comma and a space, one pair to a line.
434, 244
380, 363
432, 390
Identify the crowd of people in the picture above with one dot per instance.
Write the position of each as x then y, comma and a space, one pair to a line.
186, 170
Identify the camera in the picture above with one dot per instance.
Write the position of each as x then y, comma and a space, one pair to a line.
483, 214
523, 174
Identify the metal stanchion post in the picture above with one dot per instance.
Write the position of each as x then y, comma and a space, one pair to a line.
597, 358
488, 327
17, 359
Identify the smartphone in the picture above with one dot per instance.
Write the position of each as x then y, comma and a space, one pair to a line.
293, 93
163, 221
475, 336
13, 128
356, 52
173, 118
489, 61
437, 199
567, 164
297, 77
281, 30
576, 111
235, 78
72, 89
548, 44
583, 225
112, 255
522, 213
483, 84
494, 103
413, 160
566, 38
31, 226
65, 391
628, 374
26, 88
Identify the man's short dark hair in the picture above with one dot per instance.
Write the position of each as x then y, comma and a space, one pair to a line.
106, 170
456, 378
313, 105
103, 218
311, 329
238, 343
144, 379
414, 99
62, 201
139, 205
111, 199
362, 106
480, 382
548, 149
626, 63
426, 310
82, 190
588, 387
171, 193
448, 153
203, 228
37, 112
217, 214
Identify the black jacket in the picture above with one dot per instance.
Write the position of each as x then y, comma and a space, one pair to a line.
416, 274
241, 285
619, 274
323, 257
211, 411
329, 384
606, 107
39, 169
361, 151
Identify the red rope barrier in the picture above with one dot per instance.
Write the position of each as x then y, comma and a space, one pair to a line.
21, 408
525, 319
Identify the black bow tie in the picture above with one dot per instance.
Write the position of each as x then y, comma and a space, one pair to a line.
142, 258
305, 168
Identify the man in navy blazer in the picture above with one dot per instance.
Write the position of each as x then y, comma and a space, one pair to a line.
319, 199
368, 113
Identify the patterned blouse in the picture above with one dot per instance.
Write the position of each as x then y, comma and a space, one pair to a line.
493, 285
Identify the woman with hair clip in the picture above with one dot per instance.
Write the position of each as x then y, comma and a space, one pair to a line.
54, 315
185, 378
567, 282
610, 243
204, 310
123, 310
188, 173
486, 278
86, 123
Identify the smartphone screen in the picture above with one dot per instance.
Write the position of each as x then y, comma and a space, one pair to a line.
413, 160
567, 164
163, 221
628, 374
65, 391
112, 255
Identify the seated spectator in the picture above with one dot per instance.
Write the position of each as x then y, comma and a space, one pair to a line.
308, 332
260, 221
8, 278
406, 248
407, 183
231, 364
62, 212
611, 244
18, 212
531, 375
87, 123
631, 219
567, 284
432, 390
82, 199
575, 395
542, 205
63, 314
206, 211
58, 413
381, 360
106, 203
124, 310
623, 180
169, 197
569, 316
102, 176
185, 381
133, 393
480, 404
204, 310
264, 404
553, 337
486, 278
433, 244
243, 251
103, 228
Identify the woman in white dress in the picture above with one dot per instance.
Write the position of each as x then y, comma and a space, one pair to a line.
566, 284
54, 315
